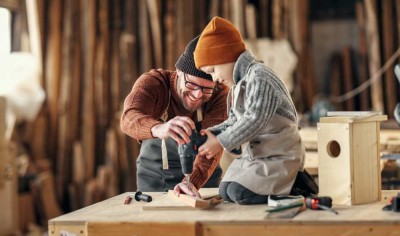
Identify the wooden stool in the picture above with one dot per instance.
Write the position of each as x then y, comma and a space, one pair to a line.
349, 158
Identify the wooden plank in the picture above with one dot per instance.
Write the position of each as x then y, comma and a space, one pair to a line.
125, 164
13, 5
8, 180
76, 188
214, 8
226, 9
373, 53
193, 202
362, 58
26, 212
274, 228
201, 16
46, 187
338, 187
184, 24
303, 93
310, 83
397, 3
389, 139
348, 77
251, 25
3, 145
143, 228
53, 73
146, 51
366, 158
64, 145
37, 134
264, 18
388, 49
102, 79
353, 119
75, 99
113, 211
67, 228
335, 82
209, 199
92, 193
306, 70
88, 116
35, 33
238, 16
154, 9
128, 65
311, 163
111, 160
171, 35
277, 19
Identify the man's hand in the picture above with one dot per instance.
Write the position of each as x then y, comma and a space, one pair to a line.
179, 128
182, 188
211, 147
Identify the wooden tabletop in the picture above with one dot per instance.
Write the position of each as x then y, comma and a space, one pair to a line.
113, 217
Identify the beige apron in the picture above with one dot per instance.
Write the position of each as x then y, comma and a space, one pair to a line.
271, 160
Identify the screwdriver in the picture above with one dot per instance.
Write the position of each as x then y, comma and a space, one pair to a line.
323, 203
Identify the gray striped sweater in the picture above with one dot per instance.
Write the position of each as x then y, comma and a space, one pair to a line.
266, 95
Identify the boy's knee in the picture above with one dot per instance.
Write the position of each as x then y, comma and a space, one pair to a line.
236, 192
223, 191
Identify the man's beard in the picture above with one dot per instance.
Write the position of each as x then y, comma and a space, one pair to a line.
184, 96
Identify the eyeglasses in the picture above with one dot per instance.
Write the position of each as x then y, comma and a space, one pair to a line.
193, 86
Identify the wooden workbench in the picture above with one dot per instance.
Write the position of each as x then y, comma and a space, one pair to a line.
112, 217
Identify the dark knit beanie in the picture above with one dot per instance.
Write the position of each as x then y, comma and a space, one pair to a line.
185, 62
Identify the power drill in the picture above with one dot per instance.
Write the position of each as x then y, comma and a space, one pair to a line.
188, 151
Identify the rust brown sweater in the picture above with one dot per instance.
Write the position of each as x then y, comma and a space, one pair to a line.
148, 100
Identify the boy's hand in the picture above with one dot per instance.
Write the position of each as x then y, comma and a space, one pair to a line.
211, 147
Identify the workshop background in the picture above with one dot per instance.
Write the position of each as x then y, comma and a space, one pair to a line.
66, 67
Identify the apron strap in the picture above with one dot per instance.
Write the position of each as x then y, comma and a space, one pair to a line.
199, 115
164, 155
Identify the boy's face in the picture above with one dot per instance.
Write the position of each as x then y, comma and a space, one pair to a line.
194, 91
222, 73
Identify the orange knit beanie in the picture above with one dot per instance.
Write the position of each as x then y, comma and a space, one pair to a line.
219, 43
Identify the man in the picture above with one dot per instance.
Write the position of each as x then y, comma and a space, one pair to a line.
161, 111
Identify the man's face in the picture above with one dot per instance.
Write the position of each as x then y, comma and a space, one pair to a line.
194, 91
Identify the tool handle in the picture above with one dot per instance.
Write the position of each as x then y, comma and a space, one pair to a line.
315, 202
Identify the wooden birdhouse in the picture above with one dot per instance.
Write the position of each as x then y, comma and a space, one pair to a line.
349, 158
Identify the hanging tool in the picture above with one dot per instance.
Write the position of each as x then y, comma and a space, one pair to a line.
188, 151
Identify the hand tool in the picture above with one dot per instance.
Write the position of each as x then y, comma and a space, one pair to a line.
285, 211
319, 203
188, 151
128, 199
144, 197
